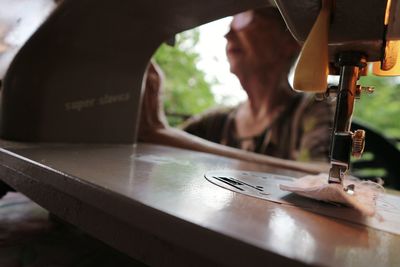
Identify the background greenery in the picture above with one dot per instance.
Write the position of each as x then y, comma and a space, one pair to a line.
381, 109
188, 92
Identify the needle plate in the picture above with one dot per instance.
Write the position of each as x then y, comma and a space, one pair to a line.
255, 184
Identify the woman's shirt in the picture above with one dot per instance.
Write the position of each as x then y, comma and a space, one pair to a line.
301, 132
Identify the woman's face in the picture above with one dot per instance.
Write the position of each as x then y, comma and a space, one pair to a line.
254, 42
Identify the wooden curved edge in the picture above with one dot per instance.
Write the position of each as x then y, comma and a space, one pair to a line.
85, 52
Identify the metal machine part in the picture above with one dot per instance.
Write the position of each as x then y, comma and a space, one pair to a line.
366, 34
374, 28
254, 184
351, 65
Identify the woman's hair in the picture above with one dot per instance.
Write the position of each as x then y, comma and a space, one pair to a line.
272, 12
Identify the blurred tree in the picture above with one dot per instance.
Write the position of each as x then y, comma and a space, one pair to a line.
186, 92
381, 109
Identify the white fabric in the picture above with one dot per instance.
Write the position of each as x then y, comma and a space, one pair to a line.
363, 198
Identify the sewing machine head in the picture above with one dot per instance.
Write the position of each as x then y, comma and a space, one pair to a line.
358, 32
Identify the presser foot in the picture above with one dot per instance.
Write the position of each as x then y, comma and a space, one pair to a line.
337, 174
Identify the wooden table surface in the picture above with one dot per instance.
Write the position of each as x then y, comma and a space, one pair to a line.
153, 203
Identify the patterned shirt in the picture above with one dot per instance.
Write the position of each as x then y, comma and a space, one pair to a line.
301, 132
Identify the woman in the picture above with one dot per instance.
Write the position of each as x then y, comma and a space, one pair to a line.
274, 120
272, 111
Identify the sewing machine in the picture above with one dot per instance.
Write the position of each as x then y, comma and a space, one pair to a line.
360, 32
78, 80
91, 103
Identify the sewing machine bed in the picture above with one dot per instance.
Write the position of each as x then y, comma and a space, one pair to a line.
153, 203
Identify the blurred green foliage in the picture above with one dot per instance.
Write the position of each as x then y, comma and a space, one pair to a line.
186, 90
381, 109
